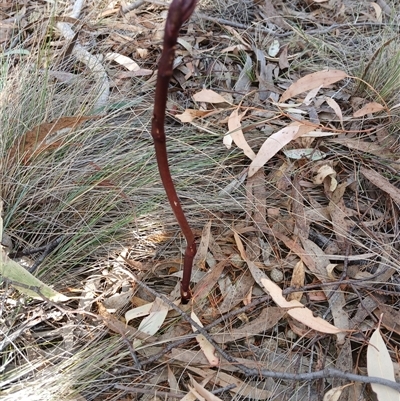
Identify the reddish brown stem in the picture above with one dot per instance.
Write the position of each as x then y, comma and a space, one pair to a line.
179, 12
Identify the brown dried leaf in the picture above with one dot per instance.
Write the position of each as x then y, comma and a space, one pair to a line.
336, 108
372, 107
265, 76
117, 326
311, 81
390, 317
237, 136
199, 260
203, 391
207, 283
205, 345
340, 215
267, 319
302, 225
31, 143
297, 280
344, 362
270, 14
296, 248
382, 183
363, 146
283, 58
209, 96
337, 301
379, 364
189, 115
237, 293
297, 310
222, 379
256, 198
243, 82
276, 142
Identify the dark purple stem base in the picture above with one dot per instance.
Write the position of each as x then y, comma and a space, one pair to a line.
179, 12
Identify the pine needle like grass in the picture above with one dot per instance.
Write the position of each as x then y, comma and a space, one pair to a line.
99, 189
382, 69
56, 372
101, 182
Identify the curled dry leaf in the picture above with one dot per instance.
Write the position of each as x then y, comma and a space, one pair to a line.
379, 364
317, 79
115, 325
369, 108
152, 323
193, 395
236, 134
125, 61
324, 172
140, 311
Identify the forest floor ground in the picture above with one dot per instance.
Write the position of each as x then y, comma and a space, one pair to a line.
283, 140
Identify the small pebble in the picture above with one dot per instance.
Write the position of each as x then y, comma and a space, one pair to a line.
276, 275
237, 260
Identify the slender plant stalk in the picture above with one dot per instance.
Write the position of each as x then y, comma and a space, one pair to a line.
179, 12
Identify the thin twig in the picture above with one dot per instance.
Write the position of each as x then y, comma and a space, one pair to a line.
158, 393
189, 337
223, 389
132, 352
155, 393
321, 374
47, 250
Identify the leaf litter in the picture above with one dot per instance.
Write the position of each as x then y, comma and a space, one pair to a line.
329, 225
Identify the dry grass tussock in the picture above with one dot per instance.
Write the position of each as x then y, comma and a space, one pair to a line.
78, 172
